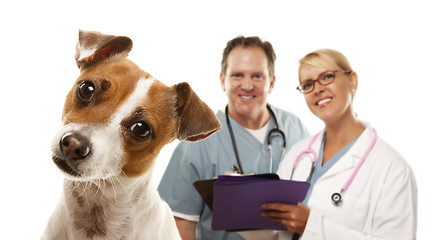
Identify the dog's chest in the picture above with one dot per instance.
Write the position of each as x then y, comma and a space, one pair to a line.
93, 221
96, 215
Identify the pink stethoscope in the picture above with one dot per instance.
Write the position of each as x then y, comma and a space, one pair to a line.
336, 197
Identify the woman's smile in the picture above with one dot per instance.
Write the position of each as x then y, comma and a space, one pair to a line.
323, 102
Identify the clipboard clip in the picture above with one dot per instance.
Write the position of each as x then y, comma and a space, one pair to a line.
236, 170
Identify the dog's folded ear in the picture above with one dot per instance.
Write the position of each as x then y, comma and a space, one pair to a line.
94, 47
196, 120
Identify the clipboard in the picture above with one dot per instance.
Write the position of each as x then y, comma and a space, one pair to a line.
205, 189
236, 200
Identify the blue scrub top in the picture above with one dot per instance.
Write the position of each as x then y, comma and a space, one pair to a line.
193, 161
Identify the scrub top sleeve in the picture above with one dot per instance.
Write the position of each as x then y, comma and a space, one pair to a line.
176, 186
304, 131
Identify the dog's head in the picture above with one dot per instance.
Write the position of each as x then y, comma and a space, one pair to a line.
117, 117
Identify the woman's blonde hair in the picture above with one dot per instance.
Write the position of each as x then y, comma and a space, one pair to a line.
323, 57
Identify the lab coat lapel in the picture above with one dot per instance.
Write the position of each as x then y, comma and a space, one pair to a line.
352, 157
346, 163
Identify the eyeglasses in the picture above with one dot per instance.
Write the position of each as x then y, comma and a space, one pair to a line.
324, 79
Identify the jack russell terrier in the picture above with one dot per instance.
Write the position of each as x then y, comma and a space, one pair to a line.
116, 119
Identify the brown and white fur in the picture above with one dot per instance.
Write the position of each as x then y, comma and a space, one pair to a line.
116, 119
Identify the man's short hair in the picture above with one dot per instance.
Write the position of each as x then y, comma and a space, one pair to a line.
249, 42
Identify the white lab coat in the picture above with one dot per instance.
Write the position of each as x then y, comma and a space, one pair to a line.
380, 203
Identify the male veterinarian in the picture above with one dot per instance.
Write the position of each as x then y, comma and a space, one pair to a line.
247, 77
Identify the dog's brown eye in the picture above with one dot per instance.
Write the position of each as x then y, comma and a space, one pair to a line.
141, 129
86, 90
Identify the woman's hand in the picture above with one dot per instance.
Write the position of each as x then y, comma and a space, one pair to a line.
293, 217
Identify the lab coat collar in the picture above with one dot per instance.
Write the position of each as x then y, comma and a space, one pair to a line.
352, 157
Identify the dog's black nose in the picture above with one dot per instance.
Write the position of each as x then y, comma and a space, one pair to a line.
74, 146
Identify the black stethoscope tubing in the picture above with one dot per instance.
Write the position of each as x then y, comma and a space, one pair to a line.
269, 138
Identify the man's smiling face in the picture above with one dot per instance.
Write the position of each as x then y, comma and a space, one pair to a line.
247, 82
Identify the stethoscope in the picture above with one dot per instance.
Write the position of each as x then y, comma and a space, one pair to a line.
337, 196
269, 139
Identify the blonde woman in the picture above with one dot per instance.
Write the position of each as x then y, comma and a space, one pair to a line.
361, 188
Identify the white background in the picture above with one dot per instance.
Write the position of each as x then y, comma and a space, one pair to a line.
398, 49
